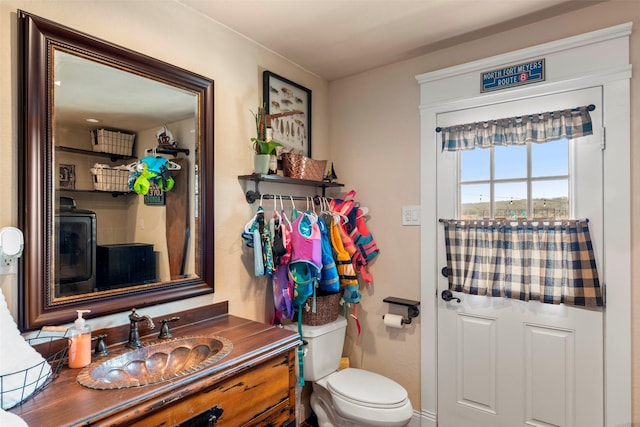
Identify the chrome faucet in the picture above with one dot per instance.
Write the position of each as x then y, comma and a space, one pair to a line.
134, 335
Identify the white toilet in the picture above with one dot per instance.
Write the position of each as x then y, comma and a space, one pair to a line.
348, 397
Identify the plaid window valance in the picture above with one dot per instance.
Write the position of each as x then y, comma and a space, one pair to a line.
526, 260
544, 127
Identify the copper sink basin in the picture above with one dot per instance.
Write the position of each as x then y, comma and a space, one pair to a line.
155, 362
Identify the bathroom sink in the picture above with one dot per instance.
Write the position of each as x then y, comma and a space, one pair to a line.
155, 362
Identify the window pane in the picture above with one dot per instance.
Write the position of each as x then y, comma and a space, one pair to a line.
510, 161
474, 201
550, 199
511, 200
474, 165
550, 159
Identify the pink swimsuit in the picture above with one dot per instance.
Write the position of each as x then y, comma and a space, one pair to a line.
306, 244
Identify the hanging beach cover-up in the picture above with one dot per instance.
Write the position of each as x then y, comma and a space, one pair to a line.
527, 260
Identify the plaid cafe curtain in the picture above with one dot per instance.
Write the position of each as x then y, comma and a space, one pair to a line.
526, 260
544, 127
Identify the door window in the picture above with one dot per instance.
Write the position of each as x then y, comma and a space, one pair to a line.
529, 181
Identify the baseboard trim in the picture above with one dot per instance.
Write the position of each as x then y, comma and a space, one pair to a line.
423, 419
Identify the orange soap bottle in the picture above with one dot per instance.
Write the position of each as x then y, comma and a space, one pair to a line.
80, 342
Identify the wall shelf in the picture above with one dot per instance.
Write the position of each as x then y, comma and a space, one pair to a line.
113, 193
113, 157
252, 196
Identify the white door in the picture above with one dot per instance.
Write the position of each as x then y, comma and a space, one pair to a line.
510, 363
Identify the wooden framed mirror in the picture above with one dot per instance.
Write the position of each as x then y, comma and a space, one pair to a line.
126, 250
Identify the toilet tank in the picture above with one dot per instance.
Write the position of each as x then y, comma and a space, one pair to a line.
324, 348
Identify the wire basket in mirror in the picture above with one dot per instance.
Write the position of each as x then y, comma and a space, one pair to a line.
19, 386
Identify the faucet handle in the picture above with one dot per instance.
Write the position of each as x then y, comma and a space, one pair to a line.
164, 330
101, 345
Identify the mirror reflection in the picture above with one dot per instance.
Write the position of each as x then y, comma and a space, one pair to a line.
114, 225
90, 242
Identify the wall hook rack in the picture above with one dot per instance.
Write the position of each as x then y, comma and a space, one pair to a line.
252, 196
169, 150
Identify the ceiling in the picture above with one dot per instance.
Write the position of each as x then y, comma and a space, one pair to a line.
330, 38
338, 38
121, 100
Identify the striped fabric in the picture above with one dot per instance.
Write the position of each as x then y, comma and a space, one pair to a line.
544, 127
526, 260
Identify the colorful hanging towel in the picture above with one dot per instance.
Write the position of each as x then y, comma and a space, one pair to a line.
329, 279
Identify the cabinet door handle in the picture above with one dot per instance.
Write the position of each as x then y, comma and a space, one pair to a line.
214, 415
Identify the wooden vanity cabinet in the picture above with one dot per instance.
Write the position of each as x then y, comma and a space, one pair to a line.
253, 386
262, 396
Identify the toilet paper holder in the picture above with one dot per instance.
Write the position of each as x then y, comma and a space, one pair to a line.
412, 307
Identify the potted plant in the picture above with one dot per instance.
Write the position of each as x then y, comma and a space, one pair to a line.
263, 147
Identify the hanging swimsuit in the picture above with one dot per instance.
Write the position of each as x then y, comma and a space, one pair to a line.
306, 258
329, 279
282, 290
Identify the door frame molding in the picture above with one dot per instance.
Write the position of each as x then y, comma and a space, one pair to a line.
568, 68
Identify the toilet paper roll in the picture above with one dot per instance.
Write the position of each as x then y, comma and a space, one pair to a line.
393, 321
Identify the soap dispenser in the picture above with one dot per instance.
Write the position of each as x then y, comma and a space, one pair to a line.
80, 342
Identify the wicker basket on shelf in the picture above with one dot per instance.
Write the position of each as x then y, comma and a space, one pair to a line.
301, 167
113, 141
110, 179
327, 309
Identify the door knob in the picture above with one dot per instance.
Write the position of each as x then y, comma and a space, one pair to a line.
447, 295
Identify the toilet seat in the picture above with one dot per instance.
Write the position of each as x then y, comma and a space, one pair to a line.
366, 389
367, 398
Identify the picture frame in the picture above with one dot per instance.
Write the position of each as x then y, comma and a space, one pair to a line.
67, 177
288, 108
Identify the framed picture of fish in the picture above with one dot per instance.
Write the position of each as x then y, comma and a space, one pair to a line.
288, 108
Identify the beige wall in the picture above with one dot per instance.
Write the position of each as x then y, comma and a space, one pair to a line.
375, 142
373, 139
173, 33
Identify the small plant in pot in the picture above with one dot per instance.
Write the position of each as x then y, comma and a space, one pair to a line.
263, 148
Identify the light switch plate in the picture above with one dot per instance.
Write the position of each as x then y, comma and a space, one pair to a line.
411, 215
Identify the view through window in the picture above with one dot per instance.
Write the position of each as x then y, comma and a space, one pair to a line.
515, 182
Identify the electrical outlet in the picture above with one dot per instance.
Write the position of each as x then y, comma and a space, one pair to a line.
7, 264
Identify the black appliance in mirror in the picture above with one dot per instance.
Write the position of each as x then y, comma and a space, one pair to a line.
75, 265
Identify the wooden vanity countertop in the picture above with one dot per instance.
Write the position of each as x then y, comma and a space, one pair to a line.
66, 403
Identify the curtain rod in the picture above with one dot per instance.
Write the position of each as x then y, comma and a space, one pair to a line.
512, 221
590, 107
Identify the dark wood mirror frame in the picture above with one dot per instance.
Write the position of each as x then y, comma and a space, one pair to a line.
38, 37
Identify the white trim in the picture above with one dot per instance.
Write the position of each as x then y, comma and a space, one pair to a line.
614, 79
423, 419
622, 30
578, 82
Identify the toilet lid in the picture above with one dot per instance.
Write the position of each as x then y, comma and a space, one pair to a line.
367, 388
